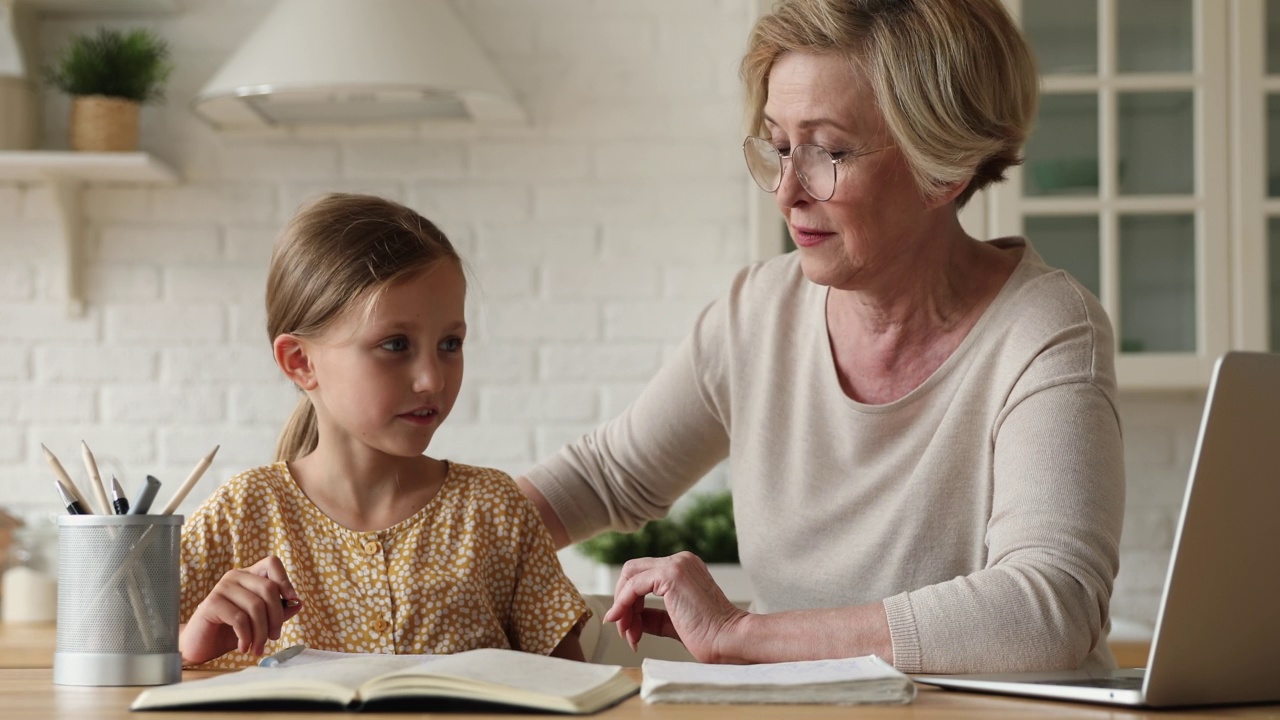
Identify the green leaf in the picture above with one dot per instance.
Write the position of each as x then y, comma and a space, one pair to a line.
706, 529
133, 65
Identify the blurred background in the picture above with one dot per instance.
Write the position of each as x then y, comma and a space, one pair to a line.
602, 208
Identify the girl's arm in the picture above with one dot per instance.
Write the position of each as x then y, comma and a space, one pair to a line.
245, 609
570, 648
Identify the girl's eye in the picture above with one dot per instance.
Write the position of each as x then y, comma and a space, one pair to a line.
395, 344
452, 345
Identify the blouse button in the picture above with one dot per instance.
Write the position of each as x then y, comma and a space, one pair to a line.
381, 626
372, 548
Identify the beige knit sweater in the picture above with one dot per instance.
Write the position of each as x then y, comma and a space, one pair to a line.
984, 508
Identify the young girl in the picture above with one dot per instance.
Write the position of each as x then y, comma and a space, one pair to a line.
354, 540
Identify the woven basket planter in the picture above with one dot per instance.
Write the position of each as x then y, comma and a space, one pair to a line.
104, 124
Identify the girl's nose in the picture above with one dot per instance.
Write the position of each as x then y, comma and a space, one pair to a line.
429, 376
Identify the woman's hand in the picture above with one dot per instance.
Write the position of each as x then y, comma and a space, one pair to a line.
243, 611
697, 612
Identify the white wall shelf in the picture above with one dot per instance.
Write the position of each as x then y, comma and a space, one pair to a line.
66, 174
103, 7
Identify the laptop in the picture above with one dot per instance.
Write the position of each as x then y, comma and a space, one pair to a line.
1217, 637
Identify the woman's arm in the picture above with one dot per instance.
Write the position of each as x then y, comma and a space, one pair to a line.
559, 534
714, 630
632, 469
1040, 603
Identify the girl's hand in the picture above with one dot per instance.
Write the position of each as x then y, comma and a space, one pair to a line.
242, 612
697, 612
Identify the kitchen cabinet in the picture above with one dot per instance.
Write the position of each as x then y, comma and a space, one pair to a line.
1127, 177
1255, 151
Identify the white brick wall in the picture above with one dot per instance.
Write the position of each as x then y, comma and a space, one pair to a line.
595, 235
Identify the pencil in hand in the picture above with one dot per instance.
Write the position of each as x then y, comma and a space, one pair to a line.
190, 482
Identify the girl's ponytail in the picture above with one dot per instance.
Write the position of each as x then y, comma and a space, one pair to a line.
300, 433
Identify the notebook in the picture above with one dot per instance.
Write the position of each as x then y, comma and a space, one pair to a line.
1217, 638
846, 681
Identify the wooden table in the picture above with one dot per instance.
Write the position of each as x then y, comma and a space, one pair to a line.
27, 692
26, 646
30, 694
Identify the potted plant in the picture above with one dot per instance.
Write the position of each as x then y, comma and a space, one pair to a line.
110, 75
705, 528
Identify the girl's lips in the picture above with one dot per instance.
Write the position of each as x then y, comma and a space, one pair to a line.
426, 419
808, 237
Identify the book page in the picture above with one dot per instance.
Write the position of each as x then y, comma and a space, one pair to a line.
808, 672
333, 681
515, 671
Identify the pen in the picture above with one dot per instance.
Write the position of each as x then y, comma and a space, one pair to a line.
190, 482
148, 495
73, 506
65, 480
276, 658
118, 500
95, 479
286, 604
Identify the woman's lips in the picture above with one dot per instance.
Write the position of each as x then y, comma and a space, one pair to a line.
807, 236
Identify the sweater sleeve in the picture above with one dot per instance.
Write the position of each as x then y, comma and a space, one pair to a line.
633, 468
1041, 601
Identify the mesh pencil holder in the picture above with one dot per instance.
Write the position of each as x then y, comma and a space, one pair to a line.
118, 594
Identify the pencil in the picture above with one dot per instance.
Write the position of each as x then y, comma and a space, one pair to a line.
95, 479
64, 478
190, 482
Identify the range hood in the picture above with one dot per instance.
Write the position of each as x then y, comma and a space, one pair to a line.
327, 62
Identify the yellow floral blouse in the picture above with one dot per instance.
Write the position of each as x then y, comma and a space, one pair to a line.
475, 568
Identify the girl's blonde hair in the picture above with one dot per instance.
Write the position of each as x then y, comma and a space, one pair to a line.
955, 80
338, 253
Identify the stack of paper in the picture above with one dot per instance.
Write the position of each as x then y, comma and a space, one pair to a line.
848, 681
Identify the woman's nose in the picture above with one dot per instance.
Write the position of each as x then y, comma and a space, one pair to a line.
790, 192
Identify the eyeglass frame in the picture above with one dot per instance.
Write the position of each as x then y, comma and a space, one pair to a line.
844, 155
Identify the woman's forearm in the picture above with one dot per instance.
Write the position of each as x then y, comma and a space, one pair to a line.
809, 635
555, 526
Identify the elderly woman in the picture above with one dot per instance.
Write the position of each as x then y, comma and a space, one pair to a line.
924, 449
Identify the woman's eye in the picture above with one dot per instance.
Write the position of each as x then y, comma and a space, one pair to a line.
396, 344
453, 344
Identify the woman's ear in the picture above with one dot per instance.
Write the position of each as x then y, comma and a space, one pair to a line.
948, 194
291, 356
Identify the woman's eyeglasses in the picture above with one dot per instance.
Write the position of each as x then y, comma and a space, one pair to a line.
814, 165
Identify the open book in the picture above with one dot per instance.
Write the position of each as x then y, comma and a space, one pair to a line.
467, 680
847, 681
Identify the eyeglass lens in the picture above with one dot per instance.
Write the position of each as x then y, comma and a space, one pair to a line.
813, 165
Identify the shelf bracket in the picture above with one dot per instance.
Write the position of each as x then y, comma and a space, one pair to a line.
66, 198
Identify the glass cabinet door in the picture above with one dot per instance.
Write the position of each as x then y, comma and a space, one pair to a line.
1256, 82
1124, 184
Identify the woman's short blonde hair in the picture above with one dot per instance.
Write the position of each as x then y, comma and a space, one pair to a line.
954, 79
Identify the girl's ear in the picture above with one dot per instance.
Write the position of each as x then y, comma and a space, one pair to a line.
291, 356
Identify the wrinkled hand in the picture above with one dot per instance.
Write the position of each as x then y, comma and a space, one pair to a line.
242, 612
697, 612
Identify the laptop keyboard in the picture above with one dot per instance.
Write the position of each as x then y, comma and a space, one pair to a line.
1117, 683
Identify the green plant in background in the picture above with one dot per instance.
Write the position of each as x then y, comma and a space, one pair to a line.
705, 529
133, 65
708, 528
